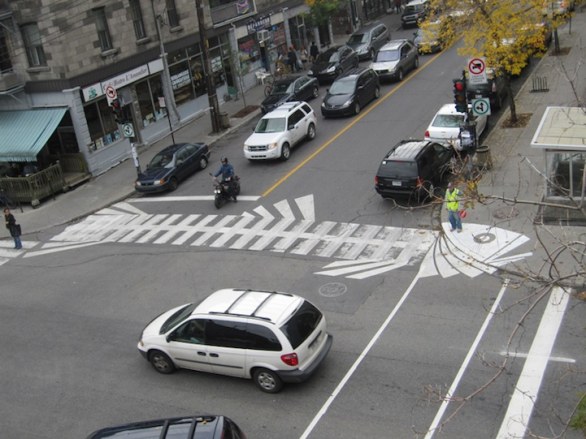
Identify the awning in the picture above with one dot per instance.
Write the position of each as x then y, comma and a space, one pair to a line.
561, 128
24, 133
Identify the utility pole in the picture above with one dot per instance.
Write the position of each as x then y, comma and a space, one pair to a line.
203, 42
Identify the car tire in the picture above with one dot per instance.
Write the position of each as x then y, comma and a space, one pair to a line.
173, 184
311, 131
400, 75
416, 63
377, 92
285, 152
161, 362
203, 163
315, 92
267, 380
356, 108
372, 54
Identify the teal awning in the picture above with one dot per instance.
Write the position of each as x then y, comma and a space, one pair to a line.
24, 133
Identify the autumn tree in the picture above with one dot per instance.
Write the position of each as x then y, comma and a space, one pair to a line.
320, 11
506, 33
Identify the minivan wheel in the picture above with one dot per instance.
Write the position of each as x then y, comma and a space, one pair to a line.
173, 184
377, 92
267, 380
203, 163
416, 63
400, 75
161, 362
315, 93
356, 108
372, 54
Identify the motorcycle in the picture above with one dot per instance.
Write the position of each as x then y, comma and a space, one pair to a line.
225, 190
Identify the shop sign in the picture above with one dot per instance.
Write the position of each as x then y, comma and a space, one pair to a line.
92, 92
128, 77
255, 25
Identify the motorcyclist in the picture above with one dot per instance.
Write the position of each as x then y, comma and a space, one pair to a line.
227, 172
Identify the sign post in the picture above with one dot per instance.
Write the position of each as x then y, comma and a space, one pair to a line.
162, 104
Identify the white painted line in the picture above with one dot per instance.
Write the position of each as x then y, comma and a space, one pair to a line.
523, 400
446, 400
520, 355
188, 198
322, 411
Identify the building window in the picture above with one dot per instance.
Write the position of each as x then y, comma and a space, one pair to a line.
103, 31
32, 43
172, 13
136, 13
102, 127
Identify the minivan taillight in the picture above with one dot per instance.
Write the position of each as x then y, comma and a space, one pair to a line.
290, 359
376, 180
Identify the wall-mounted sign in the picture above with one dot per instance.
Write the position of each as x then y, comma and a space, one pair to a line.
255, 25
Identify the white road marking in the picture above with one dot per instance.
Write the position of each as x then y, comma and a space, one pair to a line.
521, 355
324, 408
188, 198
452, 390
523, 400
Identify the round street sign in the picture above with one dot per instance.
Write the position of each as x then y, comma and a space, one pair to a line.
128, 130
111, 92
481, 107
476, 66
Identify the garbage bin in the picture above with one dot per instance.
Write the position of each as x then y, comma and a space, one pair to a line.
224, 120
482, 158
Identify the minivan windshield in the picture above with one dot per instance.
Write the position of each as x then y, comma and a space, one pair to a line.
302, 324
177, 317
358, 38
344, 86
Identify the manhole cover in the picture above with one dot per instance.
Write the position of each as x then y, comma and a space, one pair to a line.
333, 289
484, 238
506, 212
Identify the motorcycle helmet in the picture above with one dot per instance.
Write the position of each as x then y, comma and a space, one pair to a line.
224, 160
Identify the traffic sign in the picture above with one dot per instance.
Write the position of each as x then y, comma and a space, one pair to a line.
481, 107
111, 93
128, 130
477, 71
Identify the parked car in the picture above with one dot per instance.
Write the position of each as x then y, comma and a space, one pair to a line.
433, 36
271, 337
280, 130
172, 165
333, 63
351, 92
414, 12
445, 125
495, 89
413, 169
395, 59
185, 427
369, 39
290, 88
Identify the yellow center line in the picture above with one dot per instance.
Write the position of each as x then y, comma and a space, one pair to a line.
347, 127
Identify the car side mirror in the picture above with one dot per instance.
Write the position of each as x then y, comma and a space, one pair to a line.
290, 127
169, 338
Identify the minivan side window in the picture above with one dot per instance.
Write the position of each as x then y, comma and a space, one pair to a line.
262, 338
191, 331
226, 334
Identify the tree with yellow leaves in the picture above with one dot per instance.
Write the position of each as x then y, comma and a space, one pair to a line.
506, 33
322, 10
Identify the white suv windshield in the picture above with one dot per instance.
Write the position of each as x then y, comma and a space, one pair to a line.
272, 125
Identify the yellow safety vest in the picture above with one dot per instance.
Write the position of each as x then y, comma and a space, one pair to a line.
452, 200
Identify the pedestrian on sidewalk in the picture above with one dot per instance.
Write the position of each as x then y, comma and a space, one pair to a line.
292, 57
398, 4
452, 199
313, 51
13, 228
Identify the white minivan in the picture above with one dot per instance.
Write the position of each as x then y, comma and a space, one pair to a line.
269, 336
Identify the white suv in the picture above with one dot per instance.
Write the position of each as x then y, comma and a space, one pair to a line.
281, 129
268, 336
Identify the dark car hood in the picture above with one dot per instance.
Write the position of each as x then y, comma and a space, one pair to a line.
321, 66
332, 100
153, 174
276, 99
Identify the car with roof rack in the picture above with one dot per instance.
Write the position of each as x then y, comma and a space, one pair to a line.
267, 336
184, 427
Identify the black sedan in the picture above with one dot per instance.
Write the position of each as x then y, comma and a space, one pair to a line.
290, 88
333, 62
351, 92
171, 165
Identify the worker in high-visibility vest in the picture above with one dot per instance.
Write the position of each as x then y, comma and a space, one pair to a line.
452, 199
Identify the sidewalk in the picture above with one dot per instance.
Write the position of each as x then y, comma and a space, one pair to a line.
510, 149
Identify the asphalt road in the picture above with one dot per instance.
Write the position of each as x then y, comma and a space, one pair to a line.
71, 315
